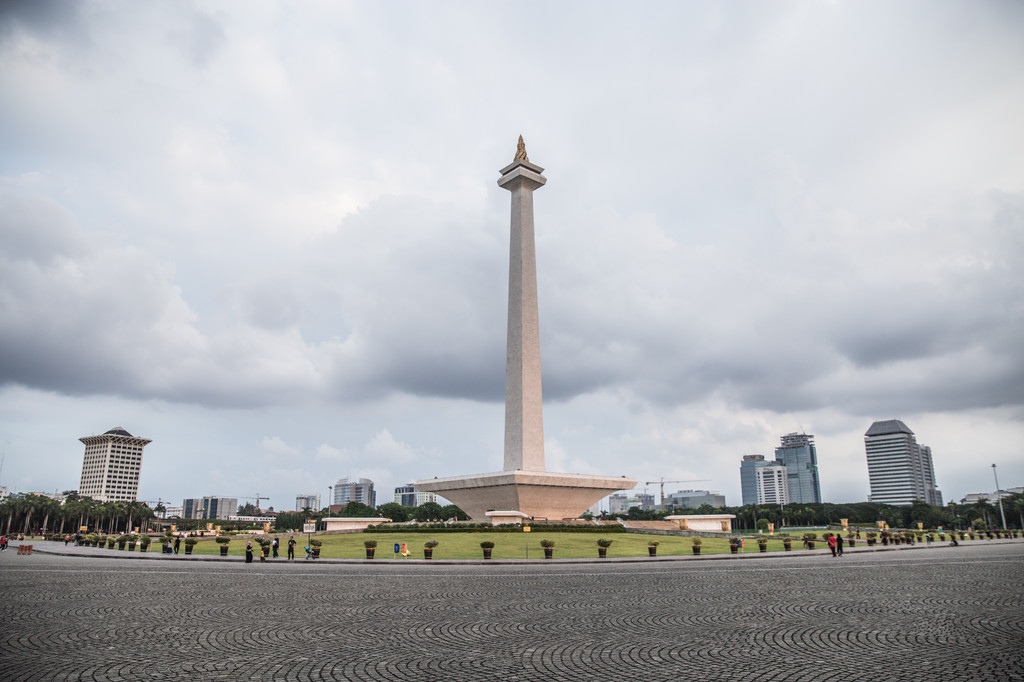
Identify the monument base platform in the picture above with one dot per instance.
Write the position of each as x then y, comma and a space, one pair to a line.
541, 495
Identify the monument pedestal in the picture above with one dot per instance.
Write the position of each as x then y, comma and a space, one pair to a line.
537, 494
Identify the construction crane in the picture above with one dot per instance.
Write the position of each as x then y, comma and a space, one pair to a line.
662, 483
257, 497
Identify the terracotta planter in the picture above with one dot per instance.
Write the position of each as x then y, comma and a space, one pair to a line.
549, 552
696, 550
810, 544
487, 552
428, 552
602, 552
788, 546
762, 548
316, 552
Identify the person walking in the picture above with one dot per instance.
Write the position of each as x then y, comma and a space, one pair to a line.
3, 543
291, 548
832, 545
248, 552
67, 539
275, 546
839, 545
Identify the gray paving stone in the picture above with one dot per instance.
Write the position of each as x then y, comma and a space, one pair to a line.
938, 614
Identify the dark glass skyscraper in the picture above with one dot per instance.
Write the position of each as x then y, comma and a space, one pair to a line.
800, 457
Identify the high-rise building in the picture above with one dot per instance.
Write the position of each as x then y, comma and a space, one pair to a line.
361, 491
408, 496
772, 484
311, 500
209, 507
111, 466
620, 503
748, 477
798, 454
900, 470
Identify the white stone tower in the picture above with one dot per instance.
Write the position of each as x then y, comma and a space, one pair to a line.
524, 489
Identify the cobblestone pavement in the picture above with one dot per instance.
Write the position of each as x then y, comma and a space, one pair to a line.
935, 614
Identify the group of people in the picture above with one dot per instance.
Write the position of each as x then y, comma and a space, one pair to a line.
835, 543
274, 546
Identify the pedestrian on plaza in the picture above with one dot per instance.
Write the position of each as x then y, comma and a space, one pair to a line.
839, 545
832, 544
177, 542
248, 552
275, 546
291, 548
78, 538
3, 543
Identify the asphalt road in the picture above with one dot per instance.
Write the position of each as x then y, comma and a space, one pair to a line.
923, 613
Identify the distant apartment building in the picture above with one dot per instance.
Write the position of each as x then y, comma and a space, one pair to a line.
798, 454
993, 497
772, 483
311, 500
694, 499
111, 466
900, 470
209, 508
621, 503
408, 496
359, 491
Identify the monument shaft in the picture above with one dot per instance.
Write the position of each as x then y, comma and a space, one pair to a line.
524, 418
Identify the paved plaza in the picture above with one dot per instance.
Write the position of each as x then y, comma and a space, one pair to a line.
928, 613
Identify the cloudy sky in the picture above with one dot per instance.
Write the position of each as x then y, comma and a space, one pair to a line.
269, 237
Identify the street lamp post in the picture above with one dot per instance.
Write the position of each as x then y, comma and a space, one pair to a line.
999, 496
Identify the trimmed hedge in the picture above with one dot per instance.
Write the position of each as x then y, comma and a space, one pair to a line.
487, 528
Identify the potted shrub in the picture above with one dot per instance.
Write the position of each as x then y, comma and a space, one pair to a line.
223, 542
370, 546
111, 541
809, 539
871, 538
787, 544
734, 545
132, 540
428, 548
315, 545
144, 542
762, 544
122, 540
189, 544
602, 547
850, 539
652, 548
487, 546
696, 544
549, 548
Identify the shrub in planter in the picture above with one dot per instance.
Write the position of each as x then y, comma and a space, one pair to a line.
549, 548
602, 547
315, 545
122, 540
428, 548
371, 547
809, 539
487, 546
189, 544
144, 542
871, 538
223, 542
849, 539
762, 544
734, 545
652, 548
132, 541
111, 542
696, 541
787, 544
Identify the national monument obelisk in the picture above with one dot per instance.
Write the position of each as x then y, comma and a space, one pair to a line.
524, 488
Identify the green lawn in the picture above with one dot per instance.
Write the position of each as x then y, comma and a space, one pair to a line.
506, 545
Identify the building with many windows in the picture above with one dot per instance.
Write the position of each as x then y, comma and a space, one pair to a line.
360, 491
694, 499
111, 466
620, 503
900, 470
209, 508
798, 454
408, 496
748, 477
311, 500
